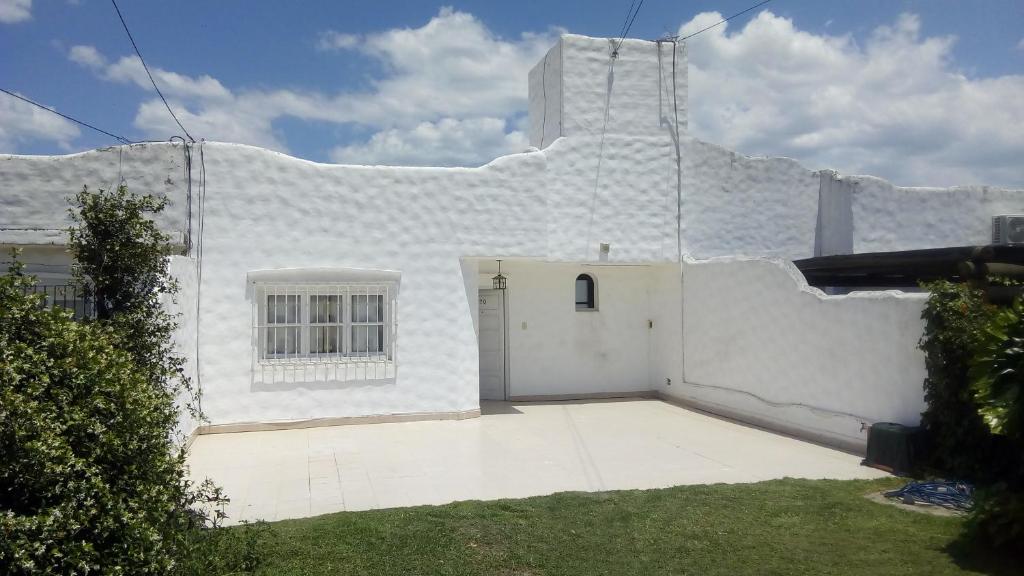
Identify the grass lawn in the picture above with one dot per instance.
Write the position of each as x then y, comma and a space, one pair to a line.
777, 527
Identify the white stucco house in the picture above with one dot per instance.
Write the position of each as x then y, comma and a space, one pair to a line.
636, 259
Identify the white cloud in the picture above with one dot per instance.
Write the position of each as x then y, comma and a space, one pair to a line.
130, 69
87, 56
451, 86
895, 106
333, 40
22, 122
472, 142
12, 11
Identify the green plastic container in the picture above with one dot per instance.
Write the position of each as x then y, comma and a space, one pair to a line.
894, 447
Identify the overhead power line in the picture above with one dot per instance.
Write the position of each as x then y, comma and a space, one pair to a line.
630, 17
146, 68
723, 21
121, 139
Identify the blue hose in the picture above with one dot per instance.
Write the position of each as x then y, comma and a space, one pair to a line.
951, 495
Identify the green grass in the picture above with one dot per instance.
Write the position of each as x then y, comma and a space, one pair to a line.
777, 527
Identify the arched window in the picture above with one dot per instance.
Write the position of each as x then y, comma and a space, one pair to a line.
586, 298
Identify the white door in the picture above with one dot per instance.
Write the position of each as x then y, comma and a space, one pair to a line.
492, 345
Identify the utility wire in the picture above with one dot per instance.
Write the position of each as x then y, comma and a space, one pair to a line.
622, 29
628, 24
146, 68
121, 139
724, 20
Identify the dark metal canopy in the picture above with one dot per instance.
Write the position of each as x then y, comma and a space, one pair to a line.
908, 268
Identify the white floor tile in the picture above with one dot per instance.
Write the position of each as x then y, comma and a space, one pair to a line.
527, 450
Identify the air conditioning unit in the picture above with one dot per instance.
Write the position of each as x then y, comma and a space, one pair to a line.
1008, 229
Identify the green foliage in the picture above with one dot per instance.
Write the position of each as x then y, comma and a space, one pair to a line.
88, 482
121, 262
975, 415
997, 372
91, 479
956, 320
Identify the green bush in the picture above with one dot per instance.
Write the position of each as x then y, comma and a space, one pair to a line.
92, 480
956, 318
121, 263
974, 354
87, 481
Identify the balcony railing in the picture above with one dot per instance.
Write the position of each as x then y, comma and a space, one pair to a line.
70, 296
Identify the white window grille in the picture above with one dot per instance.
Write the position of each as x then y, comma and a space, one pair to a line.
319, 331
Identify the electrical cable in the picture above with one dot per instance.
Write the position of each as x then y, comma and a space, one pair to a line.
146, 68
201, 224
721, 21
629, 25
121, 139
622, 29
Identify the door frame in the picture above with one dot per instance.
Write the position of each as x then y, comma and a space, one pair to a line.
505, 372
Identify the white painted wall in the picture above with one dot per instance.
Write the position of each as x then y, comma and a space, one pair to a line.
183, 306
579, 89
761, 345
555, 349
887, 217
547, 212
737, 205
666, 343
50, 263
545, 98
34, 190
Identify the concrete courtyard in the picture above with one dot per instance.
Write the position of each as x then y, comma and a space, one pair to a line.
512, 451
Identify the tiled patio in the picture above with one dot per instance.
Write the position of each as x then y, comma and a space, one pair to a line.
514, 450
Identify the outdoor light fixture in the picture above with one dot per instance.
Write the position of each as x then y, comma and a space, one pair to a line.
499, 281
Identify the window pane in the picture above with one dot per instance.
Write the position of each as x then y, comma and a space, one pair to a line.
282, 309
368, 308
283, 340
324, 340
367, 339
581, 291
324, 309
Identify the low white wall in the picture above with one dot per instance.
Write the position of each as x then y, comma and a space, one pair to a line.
556, 350
761, 345
888, 217
738, 205
34, 190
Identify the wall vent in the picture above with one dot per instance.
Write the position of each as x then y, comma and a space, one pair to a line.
1008, 229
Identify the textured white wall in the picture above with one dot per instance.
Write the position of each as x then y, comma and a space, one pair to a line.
545, 93
564, 351
754, 328
583, 91
34, 190
887, 217
737, 205
265, 210
613, 182
183, 306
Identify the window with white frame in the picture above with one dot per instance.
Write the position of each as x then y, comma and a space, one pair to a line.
334, 322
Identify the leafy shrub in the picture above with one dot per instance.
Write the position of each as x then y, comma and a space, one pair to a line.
975, 416
956, 318
997, 372
87, 482
121, 262
91, 479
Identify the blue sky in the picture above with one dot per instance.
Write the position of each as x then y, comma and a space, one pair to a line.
920, 92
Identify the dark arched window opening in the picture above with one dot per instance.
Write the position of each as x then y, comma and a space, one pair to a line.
585, 296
